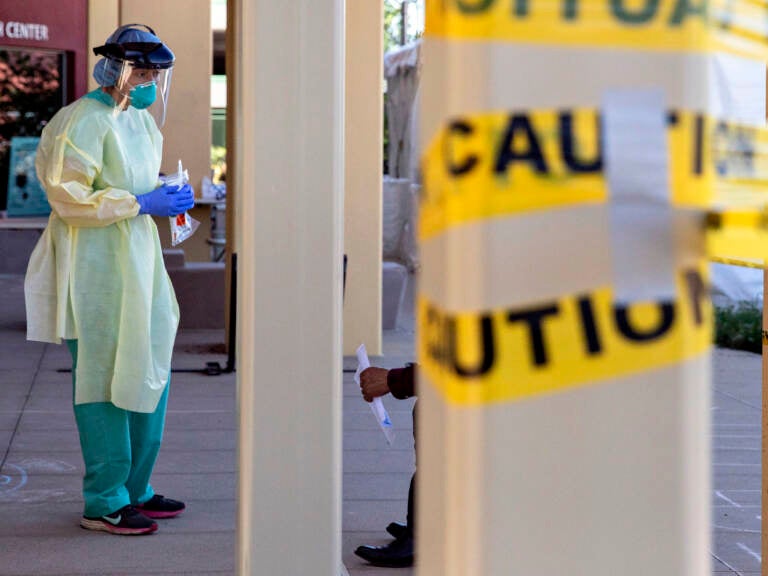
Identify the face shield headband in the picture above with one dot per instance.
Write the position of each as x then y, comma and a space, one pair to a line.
141, 47
140, 53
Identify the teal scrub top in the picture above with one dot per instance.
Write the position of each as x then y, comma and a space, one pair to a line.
97, 274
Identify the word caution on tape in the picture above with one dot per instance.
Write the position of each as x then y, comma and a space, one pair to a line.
676, 25
583, 339
505, 163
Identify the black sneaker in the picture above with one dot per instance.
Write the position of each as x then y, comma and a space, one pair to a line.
160, 507
127, 521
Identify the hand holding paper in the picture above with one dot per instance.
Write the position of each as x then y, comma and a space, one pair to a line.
374, 383
377, 406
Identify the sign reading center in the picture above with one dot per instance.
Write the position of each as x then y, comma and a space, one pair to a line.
24, 31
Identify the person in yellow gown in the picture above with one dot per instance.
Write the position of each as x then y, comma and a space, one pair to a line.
97, 280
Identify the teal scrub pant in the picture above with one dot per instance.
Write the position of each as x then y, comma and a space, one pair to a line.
119, 450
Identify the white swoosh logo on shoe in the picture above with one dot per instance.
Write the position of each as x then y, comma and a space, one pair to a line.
113, 521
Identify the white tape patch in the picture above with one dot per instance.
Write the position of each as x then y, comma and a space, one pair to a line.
634, 133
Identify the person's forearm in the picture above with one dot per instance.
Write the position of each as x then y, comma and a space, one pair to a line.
401, 382
77, 206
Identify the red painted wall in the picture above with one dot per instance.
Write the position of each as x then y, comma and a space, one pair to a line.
55, 25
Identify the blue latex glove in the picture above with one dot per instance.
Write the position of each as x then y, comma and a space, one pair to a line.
166, 200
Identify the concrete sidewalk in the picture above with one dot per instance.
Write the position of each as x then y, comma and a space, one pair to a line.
40, 501
736, 462
40, 478
41, 467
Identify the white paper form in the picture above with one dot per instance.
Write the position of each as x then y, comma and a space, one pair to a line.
377, 406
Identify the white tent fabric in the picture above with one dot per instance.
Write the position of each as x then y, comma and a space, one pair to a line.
400, 204
734, 284
402, 58
402, 70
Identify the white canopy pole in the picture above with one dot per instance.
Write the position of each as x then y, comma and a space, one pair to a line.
290, 82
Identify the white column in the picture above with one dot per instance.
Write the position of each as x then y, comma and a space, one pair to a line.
364, 152
290, 108
555, 438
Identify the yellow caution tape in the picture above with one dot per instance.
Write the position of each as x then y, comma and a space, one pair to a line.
500, 163
744, 262
738, 238
503, 163
735, 26
503, 355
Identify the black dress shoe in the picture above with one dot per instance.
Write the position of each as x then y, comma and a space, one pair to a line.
397, 530
396, 554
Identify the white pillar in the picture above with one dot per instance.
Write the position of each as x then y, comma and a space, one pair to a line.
560, 433
291, 156
364, 152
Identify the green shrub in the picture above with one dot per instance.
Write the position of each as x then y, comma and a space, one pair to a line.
218, 164
740, 327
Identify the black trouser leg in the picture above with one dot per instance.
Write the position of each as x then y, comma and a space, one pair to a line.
411, 519
411, 496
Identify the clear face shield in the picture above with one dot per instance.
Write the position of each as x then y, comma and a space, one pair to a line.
143, 88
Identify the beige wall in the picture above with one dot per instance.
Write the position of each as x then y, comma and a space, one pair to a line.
187, 129
103, 18
362, 214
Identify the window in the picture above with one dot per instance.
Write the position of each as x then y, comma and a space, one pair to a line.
32, 89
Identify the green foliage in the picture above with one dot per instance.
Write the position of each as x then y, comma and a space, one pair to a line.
740, 327
393, 22
392, 19
219, 164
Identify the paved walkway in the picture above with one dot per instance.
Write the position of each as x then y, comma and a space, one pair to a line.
736, 441
40, 466
40, 500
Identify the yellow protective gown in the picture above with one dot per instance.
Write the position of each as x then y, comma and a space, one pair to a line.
97, 273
